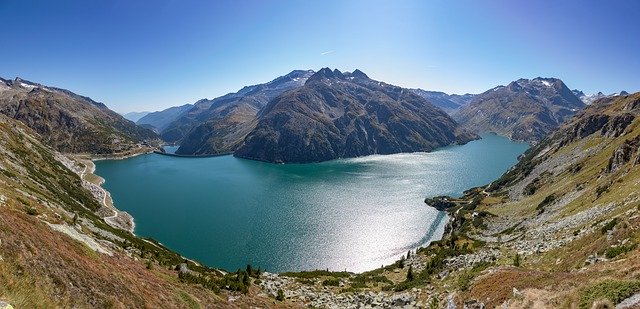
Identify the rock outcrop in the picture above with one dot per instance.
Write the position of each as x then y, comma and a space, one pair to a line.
624, 154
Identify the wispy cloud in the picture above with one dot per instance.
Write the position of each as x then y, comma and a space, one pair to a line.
326, 52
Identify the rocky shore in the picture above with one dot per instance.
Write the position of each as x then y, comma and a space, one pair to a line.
85, 168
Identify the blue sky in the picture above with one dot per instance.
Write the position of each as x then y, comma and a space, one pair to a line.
149, 55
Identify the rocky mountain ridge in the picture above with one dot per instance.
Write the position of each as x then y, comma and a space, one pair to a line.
524, 110
70, 122
340, 115
590, 98
450, 103
215, 126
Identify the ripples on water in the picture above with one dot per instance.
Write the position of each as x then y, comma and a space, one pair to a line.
354, 214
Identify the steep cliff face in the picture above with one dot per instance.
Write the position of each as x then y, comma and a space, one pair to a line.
70, 122
525, 110
336, 115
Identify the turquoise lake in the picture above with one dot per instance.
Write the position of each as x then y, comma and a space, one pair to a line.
354, 214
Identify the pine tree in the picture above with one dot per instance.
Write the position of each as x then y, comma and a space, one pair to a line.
410, 275
401, 262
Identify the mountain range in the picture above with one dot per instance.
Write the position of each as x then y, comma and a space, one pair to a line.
450, 103
134, 116
590, 98
347, 123
524, 110
340, 115
559, 229
70, 122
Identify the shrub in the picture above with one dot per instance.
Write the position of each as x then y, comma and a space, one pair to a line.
612, 290
331, 282
601, 189
30, 210
615, 251
516, 260
609, 226
464, 281
547, 200
280, 296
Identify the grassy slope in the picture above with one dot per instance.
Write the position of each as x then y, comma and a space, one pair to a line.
42, 268
559, 277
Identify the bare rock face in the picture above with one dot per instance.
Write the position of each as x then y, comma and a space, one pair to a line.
584, 127
623, 154
616, 126
341, 115
632, 105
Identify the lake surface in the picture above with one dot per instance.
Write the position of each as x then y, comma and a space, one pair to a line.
353, 214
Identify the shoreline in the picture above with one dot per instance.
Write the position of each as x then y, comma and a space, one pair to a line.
88, 161
118, 156
119, 219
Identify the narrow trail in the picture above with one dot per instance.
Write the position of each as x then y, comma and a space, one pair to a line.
108, 219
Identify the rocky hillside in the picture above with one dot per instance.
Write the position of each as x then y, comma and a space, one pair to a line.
450, 103
219, 125
561, 229
69, 122
525, 110
60, 245
336, 115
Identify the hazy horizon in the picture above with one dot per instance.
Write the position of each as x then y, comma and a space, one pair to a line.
151, 55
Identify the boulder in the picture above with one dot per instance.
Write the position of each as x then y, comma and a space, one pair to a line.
5, 305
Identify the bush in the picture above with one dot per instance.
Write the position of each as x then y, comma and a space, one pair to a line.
615, 251
516, 260
464, 281
410, 275
601, 189
30, 210
609, 226
331, 282
547, 200
612, 290
280, 296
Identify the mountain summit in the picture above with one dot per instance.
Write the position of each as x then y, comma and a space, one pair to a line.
525, 110
340, 115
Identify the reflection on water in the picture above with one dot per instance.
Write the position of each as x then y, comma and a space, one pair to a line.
353, 214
